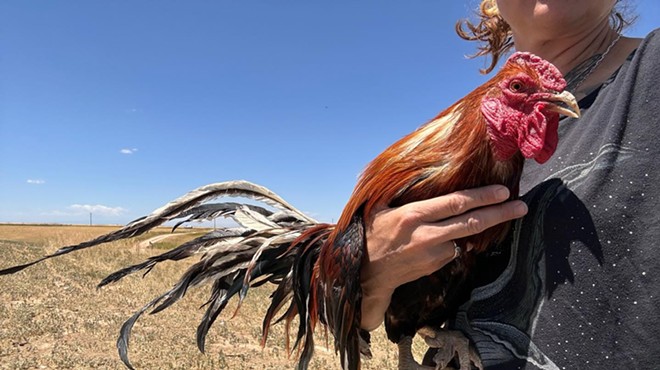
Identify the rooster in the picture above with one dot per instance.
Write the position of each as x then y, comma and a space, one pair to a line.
480, 140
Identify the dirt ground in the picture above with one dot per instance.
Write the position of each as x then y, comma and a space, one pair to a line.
53, 317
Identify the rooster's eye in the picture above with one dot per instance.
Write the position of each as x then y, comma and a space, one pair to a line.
515, 86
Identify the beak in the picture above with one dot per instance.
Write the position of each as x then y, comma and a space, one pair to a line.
572, 109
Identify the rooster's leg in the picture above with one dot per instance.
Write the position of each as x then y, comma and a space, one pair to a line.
451, 343
406, 359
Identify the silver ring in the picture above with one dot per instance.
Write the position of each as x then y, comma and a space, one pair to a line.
457, 250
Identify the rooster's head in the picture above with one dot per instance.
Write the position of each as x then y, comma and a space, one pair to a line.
522, 108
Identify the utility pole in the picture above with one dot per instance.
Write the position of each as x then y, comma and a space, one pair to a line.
90, 218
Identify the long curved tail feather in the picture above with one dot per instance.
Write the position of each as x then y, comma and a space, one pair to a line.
264, 248
187, 206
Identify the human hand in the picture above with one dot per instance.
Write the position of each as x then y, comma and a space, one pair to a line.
415, 240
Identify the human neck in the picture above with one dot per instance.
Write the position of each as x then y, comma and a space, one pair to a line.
569, 51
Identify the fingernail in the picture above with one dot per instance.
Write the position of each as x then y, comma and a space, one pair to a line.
520, 209
502, 193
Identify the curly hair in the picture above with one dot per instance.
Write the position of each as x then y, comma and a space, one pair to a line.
494, 34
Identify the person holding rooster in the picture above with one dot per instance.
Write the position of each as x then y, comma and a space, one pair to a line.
562, 277
575, 283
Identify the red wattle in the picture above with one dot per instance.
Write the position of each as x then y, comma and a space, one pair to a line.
538, 135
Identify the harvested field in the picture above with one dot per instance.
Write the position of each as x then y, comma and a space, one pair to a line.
53, 317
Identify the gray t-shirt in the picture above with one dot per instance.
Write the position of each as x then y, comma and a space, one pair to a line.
579, 287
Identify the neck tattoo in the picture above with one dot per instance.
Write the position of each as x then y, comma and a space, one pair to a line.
577, 75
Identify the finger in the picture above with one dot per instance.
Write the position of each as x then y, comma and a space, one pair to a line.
434, 209
473, 222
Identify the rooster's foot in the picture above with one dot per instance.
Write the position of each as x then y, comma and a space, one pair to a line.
406, 359
450, 344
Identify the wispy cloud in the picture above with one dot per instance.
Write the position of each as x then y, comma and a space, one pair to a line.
36, 181
128, 150
97, 209
78, 210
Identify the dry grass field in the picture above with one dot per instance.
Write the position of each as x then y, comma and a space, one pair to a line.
53, 317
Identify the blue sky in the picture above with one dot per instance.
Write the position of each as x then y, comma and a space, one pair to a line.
117, 107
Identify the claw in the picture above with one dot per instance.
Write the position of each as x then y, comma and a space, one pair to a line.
406, 359
451, 344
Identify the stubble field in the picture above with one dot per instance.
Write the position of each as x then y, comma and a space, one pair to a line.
53, 317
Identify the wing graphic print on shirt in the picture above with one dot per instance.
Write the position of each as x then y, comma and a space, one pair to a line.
608, 156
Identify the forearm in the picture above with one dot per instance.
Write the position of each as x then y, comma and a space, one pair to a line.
373, 310
376, 297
